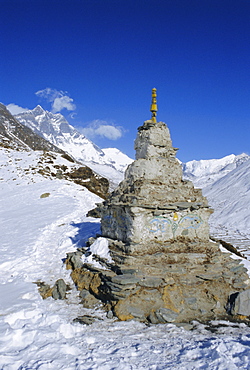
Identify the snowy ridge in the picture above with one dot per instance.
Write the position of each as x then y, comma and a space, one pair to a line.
56, 129
205, 172
119, 160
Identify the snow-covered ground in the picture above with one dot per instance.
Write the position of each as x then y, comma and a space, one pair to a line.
36, 234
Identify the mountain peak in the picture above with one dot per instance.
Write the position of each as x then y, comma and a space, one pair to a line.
14, 135
38, 110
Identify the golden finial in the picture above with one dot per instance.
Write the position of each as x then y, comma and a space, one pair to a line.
153, 107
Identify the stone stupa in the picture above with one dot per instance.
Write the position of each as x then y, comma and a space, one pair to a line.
153, 204
165, 268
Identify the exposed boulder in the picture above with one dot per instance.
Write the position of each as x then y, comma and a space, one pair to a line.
58, 291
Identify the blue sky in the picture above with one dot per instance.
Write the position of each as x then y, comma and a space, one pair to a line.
96, 61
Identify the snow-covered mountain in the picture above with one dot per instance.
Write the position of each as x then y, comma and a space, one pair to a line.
204, 172
230, 198
225, 182
117, 158
17, 136
56, 129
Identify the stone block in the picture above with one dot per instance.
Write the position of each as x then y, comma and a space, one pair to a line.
151, 282
165, 315
125, 279
59, 289
241, 304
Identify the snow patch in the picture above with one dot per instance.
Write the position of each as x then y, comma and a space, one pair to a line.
100, 247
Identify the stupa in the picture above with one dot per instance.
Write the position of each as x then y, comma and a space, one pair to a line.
165, 268
153, 204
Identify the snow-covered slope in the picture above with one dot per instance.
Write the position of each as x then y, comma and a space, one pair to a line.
36, 233
230, 198
56, 129
30, 165
205, 172
117, 158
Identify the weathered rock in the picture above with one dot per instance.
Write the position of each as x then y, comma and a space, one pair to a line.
59, 289
165, 315
125, 279
88, 300
44, 289
74, 260
45, 195
86, 319
241, 303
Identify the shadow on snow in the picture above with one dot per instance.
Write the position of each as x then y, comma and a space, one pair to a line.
84, 232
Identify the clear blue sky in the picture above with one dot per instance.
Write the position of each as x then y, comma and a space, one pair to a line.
101, 58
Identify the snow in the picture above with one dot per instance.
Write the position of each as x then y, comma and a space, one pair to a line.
230, 197
100, 247
119, 159
205, 172
36, 234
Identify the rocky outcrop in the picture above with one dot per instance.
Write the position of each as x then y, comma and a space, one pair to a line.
58, 291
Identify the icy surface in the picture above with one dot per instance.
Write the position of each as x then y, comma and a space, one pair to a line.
36, 234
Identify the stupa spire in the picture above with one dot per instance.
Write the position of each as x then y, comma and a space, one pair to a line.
153, 107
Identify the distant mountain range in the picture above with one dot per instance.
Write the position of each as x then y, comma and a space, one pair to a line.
205, 172
110, 163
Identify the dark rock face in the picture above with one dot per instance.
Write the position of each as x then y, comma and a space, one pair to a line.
59, 289
14, 135
95, 183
